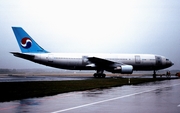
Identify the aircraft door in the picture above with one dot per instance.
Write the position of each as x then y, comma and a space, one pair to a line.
137, 59
158, 60
84, 60
50, 58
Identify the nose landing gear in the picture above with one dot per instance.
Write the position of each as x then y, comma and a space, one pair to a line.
154, 75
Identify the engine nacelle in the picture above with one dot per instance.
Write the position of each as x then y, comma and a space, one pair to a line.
124, 69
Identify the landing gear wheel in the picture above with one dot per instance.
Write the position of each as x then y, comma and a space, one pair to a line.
103, 75
95, 75
98, 75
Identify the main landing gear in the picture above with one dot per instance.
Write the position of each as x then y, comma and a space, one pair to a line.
99, 74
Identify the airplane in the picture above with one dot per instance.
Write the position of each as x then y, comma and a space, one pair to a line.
114, 63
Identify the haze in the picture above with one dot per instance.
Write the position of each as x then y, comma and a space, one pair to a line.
94, 26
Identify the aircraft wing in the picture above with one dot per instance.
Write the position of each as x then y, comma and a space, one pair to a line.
102, 62
111, 66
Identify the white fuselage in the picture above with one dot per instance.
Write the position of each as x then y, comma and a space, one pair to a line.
79, 61
115, 63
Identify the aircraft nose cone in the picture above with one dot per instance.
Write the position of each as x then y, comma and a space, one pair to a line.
172, 63
169, 63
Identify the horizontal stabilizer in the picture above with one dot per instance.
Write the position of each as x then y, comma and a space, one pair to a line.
22, 55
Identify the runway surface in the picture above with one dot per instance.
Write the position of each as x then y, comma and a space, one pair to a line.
61, 77
161, 97
25, 78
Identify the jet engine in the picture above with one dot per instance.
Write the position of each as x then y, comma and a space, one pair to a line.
124, 69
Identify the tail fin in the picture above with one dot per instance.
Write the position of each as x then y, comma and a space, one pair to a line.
26, 43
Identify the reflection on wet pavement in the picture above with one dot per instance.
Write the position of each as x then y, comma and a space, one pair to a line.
151, 97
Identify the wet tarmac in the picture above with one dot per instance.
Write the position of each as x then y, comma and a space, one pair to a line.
25, 78
62, 77
161, 97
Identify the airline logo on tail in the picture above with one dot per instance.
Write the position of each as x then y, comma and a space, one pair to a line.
26, 42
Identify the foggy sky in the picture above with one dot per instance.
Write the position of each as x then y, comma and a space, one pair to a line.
94, 26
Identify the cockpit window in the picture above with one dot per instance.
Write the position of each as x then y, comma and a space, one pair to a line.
167, 59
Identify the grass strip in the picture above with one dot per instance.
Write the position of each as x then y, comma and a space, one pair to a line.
21, 90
